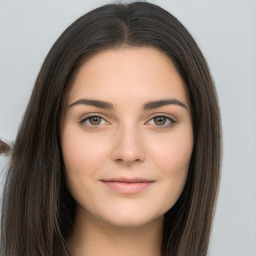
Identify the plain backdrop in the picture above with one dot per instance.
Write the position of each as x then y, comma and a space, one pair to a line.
225, 30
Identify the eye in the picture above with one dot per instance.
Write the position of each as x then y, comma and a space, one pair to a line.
161, 121
94, 121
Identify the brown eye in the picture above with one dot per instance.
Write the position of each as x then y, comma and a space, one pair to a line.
160, 120
94, 120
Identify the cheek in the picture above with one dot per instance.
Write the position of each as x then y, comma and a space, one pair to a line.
172, 156
79, 150
83, 156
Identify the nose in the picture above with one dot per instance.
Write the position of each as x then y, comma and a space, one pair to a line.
128, 146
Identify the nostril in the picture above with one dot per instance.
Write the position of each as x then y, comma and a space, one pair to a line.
120, 160
128, 149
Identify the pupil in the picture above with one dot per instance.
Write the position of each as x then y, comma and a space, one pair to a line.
95, 120
160, 120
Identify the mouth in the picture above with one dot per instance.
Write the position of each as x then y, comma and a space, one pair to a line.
127, 185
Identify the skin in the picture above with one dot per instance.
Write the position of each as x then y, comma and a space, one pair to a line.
126, 141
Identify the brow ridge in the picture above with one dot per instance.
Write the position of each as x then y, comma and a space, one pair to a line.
160, 103
95, 103
147, 106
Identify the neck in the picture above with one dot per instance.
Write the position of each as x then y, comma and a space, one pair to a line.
97, 238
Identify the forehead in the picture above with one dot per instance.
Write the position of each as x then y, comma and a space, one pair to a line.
125, 74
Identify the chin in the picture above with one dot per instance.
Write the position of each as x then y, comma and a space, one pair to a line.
131, 220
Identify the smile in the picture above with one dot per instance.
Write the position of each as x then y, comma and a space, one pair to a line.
127, 186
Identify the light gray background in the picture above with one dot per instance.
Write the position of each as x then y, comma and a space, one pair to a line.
225, 31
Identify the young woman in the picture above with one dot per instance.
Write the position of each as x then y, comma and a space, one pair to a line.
119, 149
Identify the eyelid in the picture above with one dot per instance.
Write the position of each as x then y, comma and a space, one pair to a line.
89, 115
167, 116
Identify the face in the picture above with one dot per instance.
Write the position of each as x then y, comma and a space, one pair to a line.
127, 136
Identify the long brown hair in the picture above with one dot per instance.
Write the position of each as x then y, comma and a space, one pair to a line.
38, 210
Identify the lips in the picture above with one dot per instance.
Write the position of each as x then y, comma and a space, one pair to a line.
127, 185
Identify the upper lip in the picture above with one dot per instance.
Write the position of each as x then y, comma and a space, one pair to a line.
127, 180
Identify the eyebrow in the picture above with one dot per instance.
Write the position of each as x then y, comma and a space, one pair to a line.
95, 103
110, 106
160, 103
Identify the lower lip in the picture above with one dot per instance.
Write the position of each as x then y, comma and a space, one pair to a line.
127, 188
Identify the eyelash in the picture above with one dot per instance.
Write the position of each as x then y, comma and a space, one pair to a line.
84, 120
170, 121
